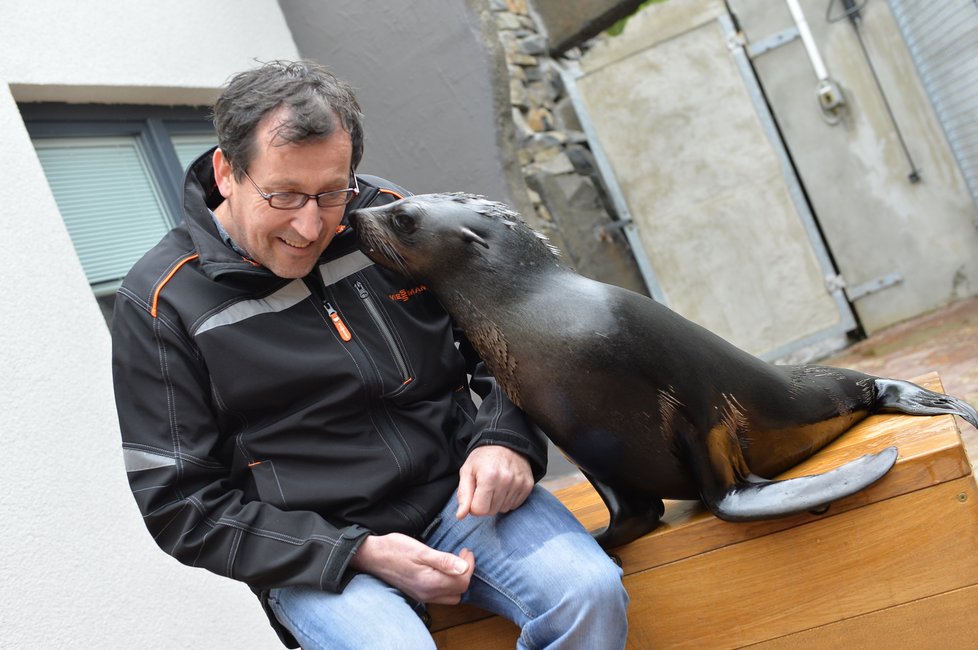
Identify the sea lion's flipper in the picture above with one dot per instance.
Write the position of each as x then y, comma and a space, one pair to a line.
753, 499
632, 515
732, 493
905, 397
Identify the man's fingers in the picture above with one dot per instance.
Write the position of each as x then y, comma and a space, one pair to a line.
455, 571
482, 501
493, 480
466, 485
453, 565
517, 494
421, 572
468, 557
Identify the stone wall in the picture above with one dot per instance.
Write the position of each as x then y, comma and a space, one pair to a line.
568, 199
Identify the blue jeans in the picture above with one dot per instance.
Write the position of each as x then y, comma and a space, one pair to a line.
536, 566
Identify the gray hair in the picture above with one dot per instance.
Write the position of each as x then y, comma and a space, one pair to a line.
313, 95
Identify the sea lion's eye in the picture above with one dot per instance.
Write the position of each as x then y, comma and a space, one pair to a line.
403, 222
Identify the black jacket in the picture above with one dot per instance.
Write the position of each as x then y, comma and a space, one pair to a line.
262, 445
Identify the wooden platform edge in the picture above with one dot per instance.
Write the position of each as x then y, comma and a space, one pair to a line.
942, 620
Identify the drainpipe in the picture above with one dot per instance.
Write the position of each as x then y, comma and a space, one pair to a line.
830, 98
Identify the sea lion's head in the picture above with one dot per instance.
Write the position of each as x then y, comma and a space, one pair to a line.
429, 235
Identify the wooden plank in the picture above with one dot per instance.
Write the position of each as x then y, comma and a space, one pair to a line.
895, 551
450, 616
494, 633
946, 620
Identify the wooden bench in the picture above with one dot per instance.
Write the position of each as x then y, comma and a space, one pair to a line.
894, 565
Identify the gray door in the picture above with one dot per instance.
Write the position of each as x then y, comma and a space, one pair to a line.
891, 199
692, 156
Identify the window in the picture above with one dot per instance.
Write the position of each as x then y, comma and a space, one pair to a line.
116, 174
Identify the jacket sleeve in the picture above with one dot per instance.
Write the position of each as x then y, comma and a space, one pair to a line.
499, 421
171, 445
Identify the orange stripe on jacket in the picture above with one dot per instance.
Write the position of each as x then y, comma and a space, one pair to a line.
384, 190
159, 287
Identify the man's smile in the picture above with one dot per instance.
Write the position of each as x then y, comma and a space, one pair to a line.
295, 244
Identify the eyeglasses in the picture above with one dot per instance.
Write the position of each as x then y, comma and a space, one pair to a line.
295, 200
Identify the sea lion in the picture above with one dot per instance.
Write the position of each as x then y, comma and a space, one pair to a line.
646, 403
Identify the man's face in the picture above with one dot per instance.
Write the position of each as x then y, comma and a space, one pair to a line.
287, 242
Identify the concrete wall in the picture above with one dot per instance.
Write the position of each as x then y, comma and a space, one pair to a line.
423, 70
78, 568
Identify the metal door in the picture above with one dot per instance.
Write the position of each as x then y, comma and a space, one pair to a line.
693, 158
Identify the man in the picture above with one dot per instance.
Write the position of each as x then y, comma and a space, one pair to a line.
299, 419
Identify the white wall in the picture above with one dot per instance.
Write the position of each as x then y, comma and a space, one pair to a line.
78, 569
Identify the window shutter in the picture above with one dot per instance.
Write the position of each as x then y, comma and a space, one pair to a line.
942, 38
109, 201
189, 146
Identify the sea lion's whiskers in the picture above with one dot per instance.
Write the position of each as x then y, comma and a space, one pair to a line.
391, 253
371, 239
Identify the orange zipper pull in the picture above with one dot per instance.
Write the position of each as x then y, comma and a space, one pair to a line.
338, 323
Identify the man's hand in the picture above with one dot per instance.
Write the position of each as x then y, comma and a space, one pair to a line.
493, 479
419, 571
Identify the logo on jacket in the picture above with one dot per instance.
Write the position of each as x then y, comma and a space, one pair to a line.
406, 294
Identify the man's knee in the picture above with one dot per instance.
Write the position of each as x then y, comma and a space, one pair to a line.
591, 608
599, 581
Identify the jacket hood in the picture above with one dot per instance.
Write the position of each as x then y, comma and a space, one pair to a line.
200, 196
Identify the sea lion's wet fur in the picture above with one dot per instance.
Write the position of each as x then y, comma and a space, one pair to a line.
648, 404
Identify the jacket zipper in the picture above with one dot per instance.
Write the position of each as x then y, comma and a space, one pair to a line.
389, 433
385, 331
338, 323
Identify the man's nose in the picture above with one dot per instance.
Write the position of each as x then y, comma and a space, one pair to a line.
308, 221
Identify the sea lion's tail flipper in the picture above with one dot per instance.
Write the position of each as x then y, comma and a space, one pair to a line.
759, 499
905, 397
631, 515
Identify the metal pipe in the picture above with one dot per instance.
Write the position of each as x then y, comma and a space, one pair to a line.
806, 37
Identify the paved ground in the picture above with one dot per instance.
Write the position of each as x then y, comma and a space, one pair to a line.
945, 341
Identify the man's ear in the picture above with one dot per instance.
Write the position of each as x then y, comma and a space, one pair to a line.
223, 174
